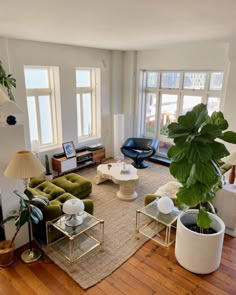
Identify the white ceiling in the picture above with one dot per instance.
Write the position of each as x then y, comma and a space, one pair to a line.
120, 24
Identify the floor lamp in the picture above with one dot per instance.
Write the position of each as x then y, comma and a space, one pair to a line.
23, 166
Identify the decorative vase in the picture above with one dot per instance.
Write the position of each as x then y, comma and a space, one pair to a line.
11, 120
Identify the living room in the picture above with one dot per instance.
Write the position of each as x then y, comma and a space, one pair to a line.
120, 68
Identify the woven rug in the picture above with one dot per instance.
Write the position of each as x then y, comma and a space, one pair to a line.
120, 239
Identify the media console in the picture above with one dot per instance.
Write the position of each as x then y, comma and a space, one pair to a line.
85, 158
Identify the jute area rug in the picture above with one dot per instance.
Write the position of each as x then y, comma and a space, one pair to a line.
120, 240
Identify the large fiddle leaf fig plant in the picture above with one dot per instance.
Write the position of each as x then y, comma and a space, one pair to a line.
198, 147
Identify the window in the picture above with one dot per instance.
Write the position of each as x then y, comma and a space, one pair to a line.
169, 94
88, 101
41, 104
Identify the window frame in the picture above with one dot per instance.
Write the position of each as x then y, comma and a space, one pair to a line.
94, 91
180, 92
54, 105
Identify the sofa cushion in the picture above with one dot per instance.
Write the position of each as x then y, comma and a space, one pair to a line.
34, 181
74, 184
47, 189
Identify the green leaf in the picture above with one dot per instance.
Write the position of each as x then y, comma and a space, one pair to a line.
9, 218
201, 114
178, 152
29, 194
40, 201
36, 212
229, 136
219, 150
189, 196
180, 139
180, 170
199, 153
176, 130
211, 131
21, 195
192, 176
206, 174
203, 219
24, 217
188, 120
217, 118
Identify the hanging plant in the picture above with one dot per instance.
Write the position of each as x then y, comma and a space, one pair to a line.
7, 81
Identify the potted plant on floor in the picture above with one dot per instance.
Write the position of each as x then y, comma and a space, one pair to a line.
48, 174
197, 149
28, 212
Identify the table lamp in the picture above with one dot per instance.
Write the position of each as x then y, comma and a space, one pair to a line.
231, 159
73, 207
23, 166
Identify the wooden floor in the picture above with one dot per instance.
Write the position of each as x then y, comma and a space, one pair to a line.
152, 270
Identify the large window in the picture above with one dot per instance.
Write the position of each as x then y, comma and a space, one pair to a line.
88, 102
169, 94
41, 104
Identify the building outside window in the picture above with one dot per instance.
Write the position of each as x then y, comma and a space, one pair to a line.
166, 95
88, 102
43, 111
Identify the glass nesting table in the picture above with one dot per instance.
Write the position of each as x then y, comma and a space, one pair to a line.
155, 225
76, 241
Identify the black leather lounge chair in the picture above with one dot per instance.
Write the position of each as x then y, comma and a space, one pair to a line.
139, 149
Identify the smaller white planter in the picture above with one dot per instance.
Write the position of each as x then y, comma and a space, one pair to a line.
48, 177
198, 253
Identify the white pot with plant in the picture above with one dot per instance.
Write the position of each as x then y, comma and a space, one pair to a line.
195, 156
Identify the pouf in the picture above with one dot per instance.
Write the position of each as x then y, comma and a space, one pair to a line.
74, 184
48, 190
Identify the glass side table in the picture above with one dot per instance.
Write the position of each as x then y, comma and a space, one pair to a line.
157, 223
78, 240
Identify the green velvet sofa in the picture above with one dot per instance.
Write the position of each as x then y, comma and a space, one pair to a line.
58, 191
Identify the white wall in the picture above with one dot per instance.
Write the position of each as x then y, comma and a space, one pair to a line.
229, 106
129, 82
67, 58
11, 140
194, 56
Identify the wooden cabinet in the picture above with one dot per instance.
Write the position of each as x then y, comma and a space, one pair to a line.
99, 155
62, 164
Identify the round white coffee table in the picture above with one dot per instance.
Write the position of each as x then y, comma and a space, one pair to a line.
125, 178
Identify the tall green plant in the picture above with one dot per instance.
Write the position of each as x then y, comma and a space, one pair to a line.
6, 80
28, 211
195, 157
47, 166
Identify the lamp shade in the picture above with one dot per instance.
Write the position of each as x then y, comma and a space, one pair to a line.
165, 205
73, 206
24, 165
231, 159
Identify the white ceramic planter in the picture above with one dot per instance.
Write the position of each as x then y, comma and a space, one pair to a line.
198, 253
48, 177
